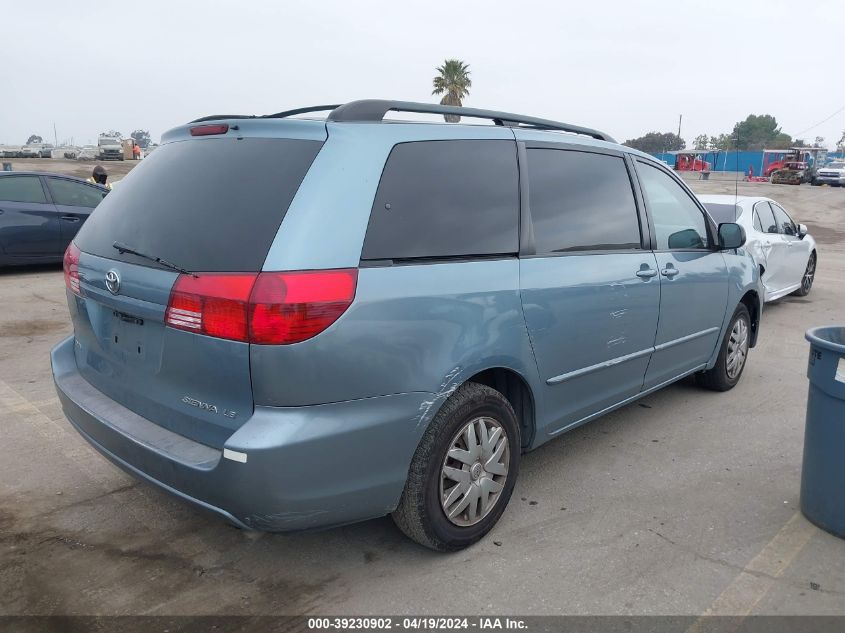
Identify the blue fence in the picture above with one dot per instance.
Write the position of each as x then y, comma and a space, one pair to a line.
733, 161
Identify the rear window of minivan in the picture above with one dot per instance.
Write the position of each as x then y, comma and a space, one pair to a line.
210, 205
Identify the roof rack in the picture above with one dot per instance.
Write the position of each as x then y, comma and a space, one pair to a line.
375, 110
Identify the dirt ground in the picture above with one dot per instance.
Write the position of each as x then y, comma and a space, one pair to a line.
683, 503
116, 169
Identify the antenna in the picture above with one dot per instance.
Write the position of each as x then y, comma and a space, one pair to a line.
736, 176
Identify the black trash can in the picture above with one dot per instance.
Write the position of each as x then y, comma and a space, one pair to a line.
823, 471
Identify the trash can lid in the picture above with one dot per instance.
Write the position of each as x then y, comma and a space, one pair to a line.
830, 337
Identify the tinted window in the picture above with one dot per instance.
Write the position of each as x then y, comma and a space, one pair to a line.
784, 222
207, 205
21, 189
767, 219
445, 198
581, 201
722, 213
75, 193
757, 224
678, 222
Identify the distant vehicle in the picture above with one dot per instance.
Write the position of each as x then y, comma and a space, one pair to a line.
31, 151
38, 150
691, 161
784, 250
775, 159
110, 148
40, 214
230, 349
793, 173
832, 174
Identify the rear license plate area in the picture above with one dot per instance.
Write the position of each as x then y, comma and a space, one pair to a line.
127, 336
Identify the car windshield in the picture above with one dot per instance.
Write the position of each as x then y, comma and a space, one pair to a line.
836, 166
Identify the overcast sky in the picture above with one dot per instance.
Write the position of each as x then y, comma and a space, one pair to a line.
624, 67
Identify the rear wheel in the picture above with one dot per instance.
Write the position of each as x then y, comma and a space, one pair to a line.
463, 472
807, 279
732, 355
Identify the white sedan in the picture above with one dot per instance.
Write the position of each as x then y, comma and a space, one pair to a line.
784, 250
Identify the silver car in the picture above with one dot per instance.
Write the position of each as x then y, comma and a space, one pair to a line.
784, 250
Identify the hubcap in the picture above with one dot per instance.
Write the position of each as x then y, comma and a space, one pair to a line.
807, 282
737, 348
474, 471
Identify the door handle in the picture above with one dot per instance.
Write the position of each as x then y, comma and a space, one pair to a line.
669, 272
70, 218
646, 273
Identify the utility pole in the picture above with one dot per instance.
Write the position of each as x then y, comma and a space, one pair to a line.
55, 136
680, 118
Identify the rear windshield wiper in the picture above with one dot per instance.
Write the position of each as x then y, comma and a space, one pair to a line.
123, 248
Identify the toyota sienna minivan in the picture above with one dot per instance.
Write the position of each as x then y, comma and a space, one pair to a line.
303, 323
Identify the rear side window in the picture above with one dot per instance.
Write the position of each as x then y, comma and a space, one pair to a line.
446, 199
211, 205
782, 219
767, 218
22, 189
581, 201
76, 194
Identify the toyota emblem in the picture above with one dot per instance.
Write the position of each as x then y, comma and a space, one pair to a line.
113, 282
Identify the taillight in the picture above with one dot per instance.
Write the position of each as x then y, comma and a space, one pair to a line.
264, 308
293, 307
70, 263
212, 304
208, 130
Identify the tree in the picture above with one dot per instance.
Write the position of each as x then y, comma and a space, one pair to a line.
721, 142
781, 141
799, 142
453, 82
113, 133
758, 132
702, 141
656, 142
34, 138
840, 145
142, 138
819, 141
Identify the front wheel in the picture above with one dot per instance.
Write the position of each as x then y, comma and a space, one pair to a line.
807, 279
463, 472
732, 356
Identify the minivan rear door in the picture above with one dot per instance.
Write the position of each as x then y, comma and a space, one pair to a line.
205, 205
589, 286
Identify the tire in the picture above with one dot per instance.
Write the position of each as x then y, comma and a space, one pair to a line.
721, 377
420, 514
808, 278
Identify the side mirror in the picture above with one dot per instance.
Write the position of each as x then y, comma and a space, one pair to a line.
688, 238
731, 235
802, 231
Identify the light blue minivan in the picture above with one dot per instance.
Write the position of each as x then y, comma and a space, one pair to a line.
301, 323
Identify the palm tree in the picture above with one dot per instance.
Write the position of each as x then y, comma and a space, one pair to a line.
453, 83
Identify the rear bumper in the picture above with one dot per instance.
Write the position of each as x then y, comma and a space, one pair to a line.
305, 467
